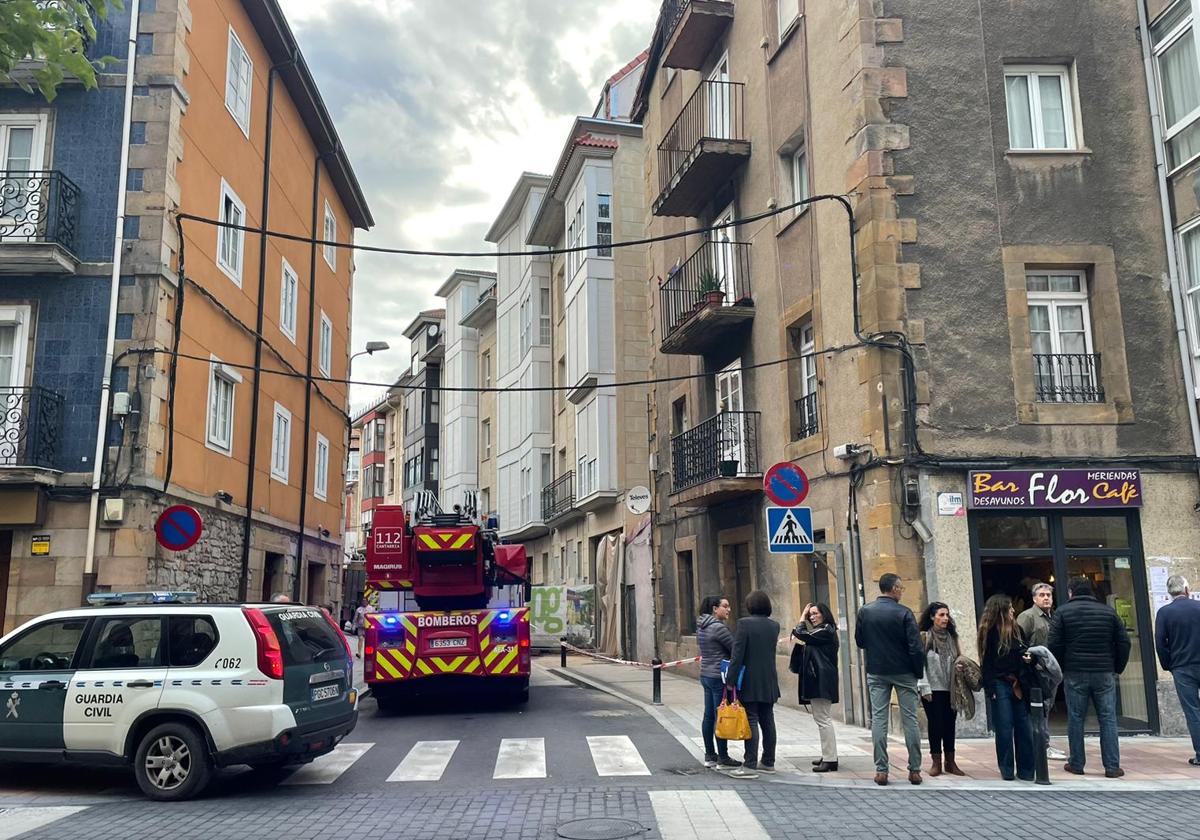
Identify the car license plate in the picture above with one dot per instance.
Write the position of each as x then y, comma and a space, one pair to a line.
326, 692
448, 643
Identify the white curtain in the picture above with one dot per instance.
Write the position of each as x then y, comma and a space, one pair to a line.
1020, 126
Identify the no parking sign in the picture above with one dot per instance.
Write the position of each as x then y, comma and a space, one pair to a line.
179, 527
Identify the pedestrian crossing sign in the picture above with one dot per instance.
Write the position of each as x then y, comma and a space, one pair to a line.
789, 530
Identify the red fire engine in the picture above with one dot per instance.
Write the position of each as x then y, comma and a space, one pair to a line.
448, 605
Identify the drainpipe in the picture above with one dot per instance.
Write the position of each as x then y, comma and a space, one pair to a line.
89, 563
243, 580
1160, 167
308, 365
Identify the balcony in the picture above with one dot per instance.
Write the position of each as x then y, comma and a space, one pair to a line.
558, 500
717, 460
30, 427
702, 150
694, 27
707, 300
1067, 378
39, 223
807, 417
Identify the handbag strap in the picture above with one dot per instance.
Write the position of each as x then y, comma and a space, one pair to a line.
729, 689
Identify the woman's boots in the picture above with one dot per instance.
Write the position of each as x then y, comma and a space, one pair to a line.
936, 769
951, 767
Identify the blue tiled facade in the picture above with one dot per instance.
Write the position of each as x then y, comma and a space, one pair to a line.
71, 312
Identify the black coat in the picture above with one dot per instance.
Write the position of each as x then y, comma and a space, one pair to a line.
1177, 634
887, 631
1088, 637
754, 643
816, 662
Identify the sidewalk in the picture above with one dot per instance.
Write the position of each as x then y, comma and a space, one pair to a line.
1149, 763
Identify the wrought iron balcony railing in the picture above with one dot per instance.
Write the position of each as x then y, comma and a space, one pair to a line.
558, 497
1067, 377
30, 427
38, 207
808, 416
718, 274
715, 112
723, 446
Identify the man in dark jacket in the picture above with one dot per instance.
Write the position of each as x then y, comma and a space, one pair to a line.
887, 631
1177, 640
1089, 641
754, 649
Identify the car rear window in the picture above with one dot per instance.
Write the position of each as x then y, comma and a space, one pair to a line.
306, 636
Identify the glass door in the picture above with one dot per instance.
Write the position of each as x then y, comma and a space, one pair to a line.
720, 117
20, 192
724, 263
730, 414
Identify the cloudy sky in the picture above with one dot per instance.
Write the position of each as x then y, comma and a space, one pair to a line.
441, 105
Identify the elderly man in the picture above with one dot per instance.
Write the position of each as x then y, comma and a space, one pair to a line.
1177, 641
1035, 624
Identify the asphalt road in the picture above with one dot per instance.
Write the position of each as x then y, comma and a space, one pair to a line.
469, 770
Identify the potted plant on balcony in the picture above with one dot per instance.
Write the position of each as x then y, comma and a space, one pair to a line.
711, 293
728, 468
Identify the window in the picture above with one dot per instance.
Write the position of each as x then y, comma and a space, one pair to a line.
526, 495
486, 363
325, 360
788, 12
391, 476
544, 315
239, 80
686, 577
485, 501
330, 235
1060, 337
485, 432
547, 469
281, 443
231, 240
526, 326
679, 416
191, 639
806, 404
1190, 240
222, 381
1173, 39
321, 479
1040, 115
575, 236
604, 227
49, 646
433, 464
799, 172
288, 290
128, 642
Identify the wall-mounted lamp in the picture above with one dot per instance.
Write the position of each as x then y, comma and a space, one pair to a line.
224, 496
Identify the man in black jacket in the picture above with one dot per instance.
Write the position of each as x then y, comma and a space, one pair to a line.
1090, 642
1177, 640
887, 631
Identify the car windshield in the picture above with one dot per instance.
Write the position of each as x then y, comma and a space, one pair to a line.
306, 636
47, 647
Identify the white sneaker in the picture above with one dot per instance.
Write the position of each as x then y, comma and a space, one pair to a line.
743, 773
1055, 753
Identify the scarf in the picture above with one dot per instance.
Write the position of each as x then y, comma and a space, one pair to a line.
945, 646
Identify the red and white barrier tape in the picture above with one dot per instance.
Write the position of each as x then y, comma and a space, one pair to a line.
616, 661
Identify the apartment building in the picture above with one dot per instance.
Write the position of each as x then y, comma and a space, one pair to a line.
481, 318
460, 369
1017, 413
222, 104
419, 396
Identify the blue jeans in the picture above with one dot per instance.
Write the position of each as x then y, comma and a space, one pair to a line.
1187, 686
1012, 727
713, 687
1101, 690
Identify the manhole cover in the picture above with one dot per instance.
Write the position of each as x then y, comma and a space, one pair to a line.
687, 771
599, 828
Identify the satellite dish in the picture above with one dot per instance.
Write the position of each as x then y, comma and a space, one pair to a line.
637, 500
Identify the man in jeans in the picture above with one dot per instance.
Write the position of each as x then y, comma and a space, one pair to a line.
1089, 641
1177, 640
887, 631
1035, 624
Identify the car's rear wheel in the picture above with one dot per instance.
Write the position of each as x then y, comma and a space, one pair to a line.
172, 762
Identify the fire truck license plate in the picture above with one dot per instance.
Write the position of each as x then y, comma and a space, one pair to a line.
448, 643
326, 692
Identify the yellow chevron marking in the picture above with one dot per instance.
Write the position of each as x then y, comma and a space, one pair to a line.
487, 619
383, 663
492, 654
403, 660
452, 666
525, 616
429, 541
462, 540
408, 624
423, 666
410, 647
512, 654
485, 643
471, 666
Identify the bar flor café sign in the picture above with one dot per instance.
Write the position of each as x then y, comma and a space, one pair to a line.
1061, 489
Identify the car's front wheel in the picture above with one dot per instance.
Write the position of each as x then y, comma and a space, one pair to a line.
172, 762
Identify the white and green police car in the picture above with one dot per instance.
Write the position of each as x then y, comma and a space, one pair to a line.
175, 688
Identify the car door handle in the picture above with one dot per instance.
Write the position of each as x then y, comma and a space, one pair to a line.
140, 684
52, 685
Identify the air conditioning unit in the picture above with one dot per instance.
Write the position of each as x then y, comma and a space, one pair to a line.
120, 404
114, 510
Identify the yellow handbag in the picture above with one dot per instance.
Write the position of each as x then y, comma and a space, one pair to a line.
732, 722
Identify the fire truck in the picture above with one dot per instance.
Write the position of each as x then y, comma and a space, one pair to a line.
447, 605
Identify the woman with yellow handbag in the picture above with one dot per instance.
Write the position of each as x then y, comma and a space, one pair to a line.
753, 666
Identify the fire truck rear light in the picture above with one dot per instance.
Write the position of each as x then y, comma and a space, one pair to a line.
370, 650
270, 655
524, 643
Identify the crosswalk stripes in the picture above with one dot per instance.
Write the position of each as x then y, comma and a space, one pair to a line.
521, 758
687, 814
326, 769
615, 755
425, 762
17, 821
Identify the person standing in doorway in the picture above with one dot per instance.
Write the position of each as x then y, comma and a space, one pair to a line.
1035, 626
1177, 641
1089, 641
887, 631
716, 643
754, 650
817, 641
360, 625
940, 638
1005, 680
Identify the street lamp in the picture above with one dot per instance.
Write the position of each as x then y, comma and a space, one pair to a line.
371, 348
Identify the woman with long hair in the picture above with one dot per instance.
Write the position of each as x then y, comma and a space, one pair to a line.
940, 639
817, 666
1005, 676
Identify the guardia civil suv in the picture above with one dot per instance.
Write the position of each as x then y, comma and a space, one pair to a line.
175, 688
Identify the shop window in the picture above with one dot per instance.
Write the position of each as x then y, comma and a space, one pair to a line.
1014, 532
1095, 532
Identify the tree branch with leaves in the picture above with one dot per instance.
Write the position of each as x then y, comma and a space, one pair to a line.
44, 42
